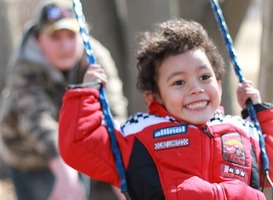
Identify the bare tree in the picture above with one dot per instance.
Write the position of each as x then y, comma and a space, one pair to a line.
8, 24
9, 28
266, 69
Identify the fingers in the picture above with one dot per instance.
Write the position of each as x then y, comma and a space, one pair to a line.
246, 91
95, 73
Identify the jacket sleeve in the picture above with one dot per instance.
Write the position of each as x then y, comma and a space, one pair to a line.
195, 188
265, 117
83, 140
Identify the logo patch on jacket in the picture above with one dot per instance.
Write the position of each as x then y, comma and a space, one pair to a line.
183, 142
174, 130
234, 172
233, 149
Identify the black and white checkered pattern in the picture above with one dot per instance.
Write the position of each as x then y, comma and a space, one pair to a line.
139, 121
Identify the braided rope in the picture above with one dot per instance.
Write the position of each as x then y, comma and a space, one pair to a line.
77, 6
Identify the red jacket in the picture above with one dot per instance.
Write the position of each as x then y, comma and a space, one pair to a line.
165, 158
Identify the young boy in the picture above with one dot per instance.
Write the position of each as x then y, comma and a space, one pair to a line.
184, 147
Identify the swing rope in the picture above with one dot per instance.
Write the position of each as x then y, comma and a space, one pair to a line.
252, 113
77, 6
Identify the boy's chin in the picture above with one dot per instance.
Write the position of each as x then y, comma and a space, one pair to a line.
198, 120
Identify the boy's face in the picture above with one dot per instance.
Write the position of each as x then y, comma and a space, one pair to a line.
188, 88
62, 48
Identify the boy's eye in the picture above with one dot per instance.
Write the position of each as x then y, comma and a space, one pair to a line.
180, 82
205, 77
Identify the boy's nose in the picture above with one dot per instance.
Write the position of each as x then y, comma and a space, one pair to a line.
196, 88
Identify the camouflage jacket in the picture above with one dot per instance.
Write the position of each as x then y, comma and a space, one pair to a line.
32, 99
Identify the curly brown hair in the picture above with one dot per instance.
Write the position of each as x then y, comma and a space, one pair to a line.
172, 38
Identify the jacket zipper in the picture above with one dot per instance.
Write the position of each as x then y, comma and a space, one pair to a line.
206, 130
207, 155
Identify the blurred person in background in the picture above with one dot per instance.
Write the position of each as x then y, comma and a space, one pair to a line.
49, 57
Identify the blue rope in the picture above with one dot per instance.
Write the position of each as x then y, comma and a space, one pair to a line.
77, 6
229, 44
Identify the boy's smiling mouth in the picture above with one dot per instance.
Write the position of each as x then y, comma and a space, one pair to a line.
197, 105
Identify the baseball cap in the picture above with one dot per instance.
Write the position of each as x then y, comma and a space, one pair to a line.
56, 15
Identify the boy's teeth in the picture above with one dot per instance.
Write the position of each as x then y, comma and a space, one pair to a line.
197, 105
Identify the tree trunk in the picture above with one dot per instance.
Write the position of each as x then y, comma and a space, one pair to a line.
8, 33
266, 69
142, 14
106, 26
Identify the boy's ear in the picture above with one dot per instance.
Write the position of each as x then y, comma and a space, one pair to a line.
149, 96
